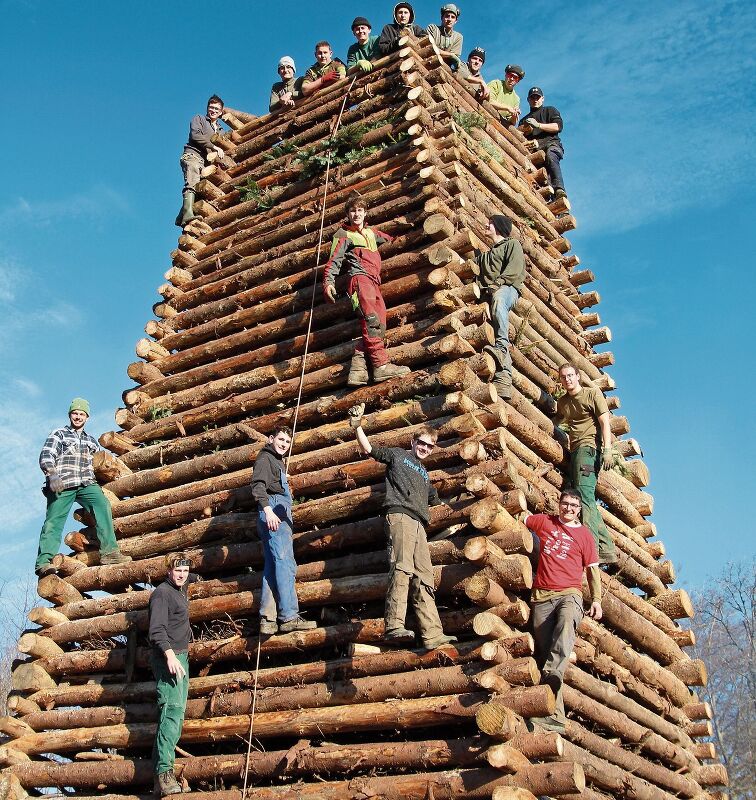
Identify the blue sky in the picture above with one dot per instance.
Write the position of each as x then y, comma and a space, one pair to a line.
659, 105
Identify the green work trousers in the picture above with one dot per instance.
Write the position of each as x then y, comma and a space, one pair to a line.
585, 463
92, 500
172, 693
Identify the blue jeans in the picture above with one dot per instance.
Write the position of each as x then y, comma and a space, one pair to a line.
502, 301
279, 568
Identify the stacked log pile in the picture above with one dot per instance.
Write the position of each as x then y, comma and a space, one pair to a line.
330, 713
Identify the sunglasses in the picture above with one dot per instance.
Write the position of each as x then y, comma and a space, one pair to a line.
428, 445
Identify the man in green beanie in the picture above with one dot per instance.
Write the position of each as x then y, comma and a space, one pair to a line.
66, 460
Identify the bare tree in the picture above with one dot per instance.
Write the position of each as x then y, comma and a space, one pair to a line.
16, 600
725, 628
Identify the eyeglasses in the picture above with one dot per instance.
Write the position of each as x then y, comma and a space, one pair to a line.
569, 505
428, 445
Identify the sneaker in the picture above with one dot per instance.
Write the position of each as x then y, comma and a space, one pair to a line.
268, 628
439, 641
166, 783
296, 624
394, 635
387, 371
116, 557
45, 569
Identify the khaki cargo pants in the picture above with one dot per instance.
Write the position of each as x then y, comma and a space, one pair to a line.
410, 576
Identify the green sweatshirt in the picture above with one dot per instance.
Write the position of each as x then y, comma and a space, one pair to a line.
363, 52
502, 265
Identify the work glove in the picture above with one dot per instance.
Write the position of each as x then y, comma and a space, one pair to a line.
330, 77
530, 121
607, 458
55, 482
364, 65
355, 415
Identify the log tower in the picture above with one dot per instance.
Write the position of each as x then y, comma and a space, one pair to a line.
335, 716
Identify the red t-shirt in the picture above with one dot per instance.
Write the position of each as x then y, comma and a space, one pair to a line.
565, 552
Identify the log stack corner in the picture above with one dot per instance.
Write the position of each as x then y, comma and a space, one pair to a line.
334, 715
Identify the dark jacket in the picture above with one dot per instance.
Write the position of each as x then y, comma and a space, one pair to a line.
388, 41
502, 265
169, 617
201, 132
266, 476
408, 487
545, 114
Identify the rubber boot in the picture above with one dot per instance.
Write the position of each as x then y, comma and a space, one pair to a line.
386, 371
186, 215
358, 371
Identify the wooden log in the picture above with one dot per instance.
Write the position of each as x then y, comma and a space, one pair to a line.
46, 617
38, 646
31, 677
56, 590
506, 758
676, 604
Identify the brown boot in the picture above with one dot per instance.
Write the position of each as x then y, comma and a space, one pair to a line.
358, 371
387, 371
166, 783
116, 557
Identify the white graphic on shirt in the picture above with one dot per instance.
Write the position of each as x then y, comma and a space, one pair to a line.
558, 544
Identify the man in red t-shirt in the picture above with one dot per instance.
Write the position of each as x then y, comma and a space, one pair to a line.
566, 549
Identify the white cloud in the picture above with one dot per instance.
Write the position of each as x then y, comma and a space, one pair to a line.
27, 386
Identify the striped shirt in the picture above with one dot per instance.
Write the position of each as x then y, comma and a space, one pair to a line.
70, 454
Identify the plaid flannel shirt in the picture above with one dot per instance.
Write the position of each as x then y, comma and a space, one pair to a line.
70, 454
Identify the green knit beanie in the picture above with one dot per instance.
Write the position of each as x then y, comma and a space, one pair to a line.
79, 404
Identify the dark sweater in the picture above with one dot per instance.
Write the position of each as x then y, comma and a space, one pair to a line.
391, 33
266, 476
169, 617
408, 488
544, 114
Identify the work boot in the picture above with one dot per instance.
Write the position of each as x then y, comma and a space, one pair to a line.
559, 193
296, 624
45, 569
440, 641
358, 371
186, 215
116, 557
398, 636
503, 385
166, 783
268, 627
389, 370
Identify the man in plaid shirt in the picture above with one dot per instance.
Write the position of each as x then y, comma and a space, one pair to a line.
66, 460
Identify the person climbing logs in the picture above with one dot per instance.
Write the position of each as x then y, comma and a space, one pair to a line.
503, 96
365, 50
409, 493
285, 92
501, 278
469, 72
565, 549
542, 126
447, 40
583, 414
66, 460
324, 71
356, 246
196, 152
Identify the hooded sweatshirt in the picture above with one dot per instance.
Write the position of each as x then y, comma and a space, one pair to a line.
267, 476
389, 38
504, 263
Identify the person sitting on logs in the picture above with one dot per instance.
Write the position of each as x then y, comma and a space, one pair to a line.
409, 493
324, 71
502, 275
503, 96
283, 93
169, 635
275, 530
364, 51
66, 460
583, 413
446, 39
404, 23
469, 72
196, 152
566, 549
542, 126
356, 245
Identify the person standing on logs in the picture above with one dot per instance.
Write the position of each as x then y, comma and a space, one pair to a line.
356, 246
502, 276
275, 529
283, 93
324, 71
364, 51
66, 460
404, 23
503, 96
196, 152
409, 493
470, 72
446, 39
583, 413
169, 635
566, 549
542, 126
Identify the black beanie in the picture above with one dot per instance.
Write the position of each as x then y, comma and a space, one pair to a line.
502, 224
361, 21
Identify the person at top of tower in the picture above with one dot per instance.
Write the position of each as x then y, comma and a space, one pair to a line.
503, 96
355, 246
324, 71
285, 92
469, 72
404, 22
365, 50
565, 550
542, 126
448, 41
